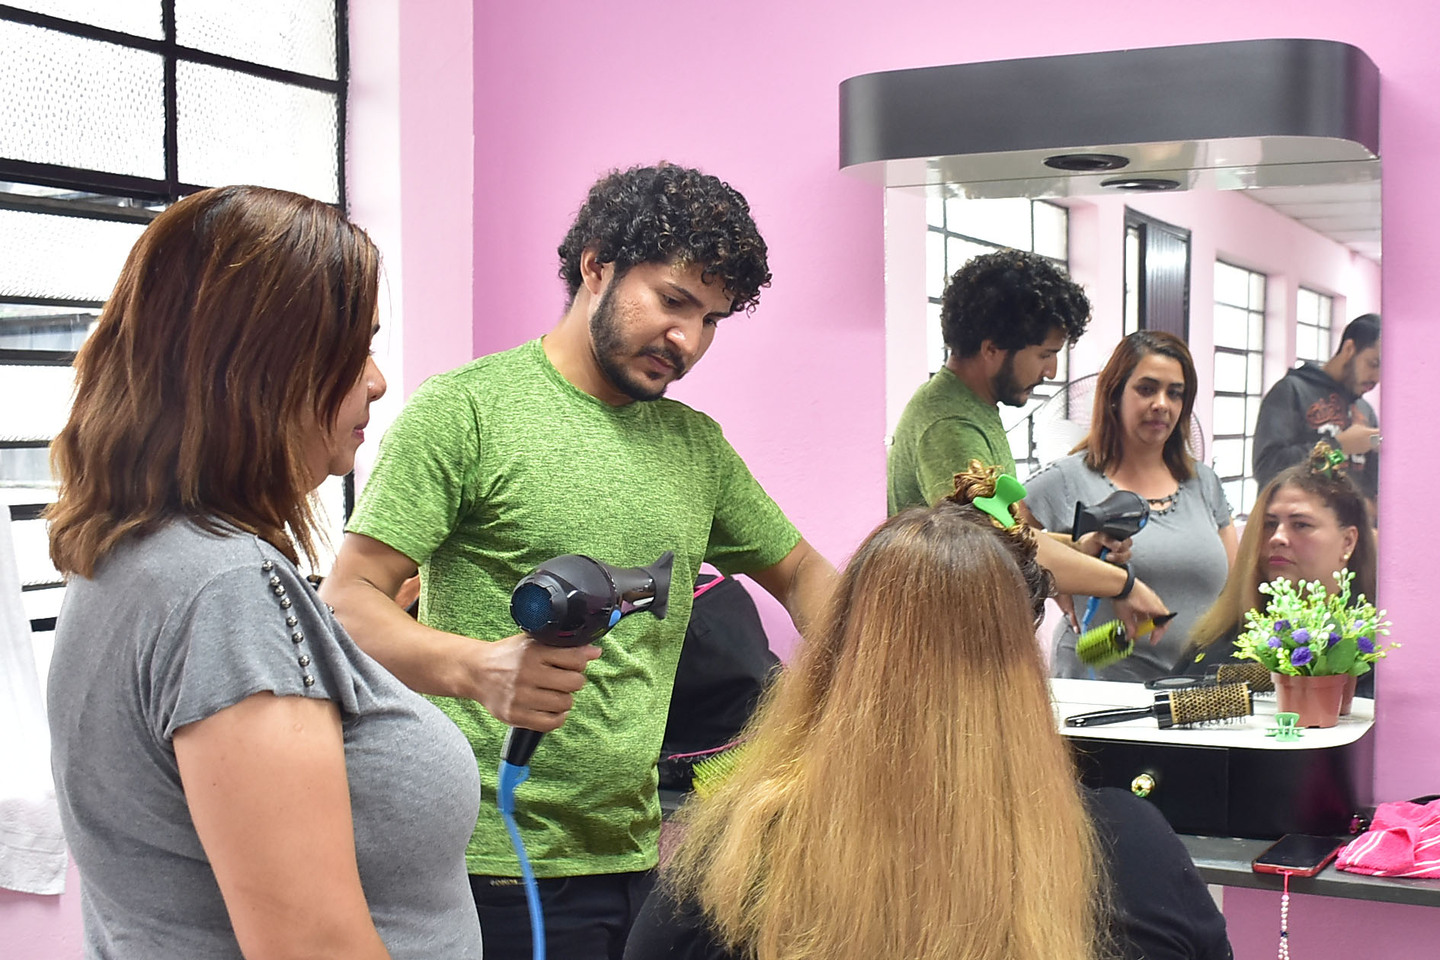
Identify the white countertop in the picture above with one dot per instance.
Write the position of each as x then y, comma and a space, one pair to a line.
1081, 696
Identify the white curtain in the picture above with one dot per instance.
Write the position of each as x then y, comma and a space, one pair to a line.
32, 846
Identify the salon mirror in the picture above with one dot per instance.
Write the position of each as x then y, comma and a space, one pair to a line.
1260, 155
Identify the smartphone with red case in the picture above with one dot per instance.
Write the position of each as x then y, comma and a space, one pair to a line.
1299, 854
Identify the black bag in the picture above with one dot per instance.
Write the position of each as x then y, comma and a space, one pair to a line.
725, 665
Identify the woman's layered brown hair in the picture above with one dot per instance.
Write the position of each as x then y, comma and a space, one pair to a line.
903, 791
1104, 445
241, 319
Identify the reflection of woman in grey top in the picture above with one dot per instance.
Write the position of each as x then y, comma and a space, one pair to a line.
1138, 441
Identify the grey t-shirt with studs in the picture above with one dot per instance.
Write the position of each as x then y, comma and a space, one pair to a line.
1178, 554
179, 625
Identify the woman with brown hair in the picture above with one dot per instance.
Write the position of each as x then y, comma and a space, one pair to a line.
1139, 441
1309, 523
235, 777
904, 792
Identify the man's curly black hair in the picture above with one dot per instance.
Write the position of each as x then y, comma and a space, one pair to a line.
670, 214
1012, 299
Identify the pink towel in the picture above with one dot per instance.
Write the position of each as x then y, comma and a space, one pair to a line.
1403, 841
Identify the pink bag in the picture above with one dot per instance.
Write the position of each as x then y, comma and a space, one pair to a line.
1403, 841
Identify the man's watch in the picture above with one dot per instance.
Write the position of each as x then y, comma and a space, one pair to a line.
1129, 583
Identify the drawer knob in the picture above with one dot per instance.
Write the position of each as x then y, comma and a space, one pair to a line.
1142, 785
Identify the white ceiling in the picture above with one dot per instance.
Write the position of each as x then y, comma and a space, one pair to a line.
1348, 213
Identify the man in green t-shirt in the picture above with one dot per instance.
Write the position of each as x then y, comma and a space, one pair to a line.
566, 445
1005, 317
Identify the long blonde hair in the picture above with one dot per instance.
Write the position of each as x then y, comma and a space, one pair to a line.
904, 792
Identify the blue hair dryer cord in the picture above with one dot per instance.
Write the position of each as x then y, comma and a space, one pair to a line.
1090, 608
511, 777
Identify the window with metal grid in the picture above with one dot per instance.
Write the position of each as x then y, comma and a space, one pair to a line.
113, 111
1239, 332
1313, 314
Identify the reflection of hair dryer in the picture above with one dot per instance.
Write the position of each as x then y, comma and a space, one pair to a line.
573, 600
1120, 515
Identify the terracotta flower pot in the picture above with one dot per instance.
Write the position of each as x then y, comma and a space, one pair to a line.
1349, 697
1316, 699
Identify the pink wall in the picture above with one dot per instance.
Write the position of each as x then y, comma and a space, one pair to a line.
747, 90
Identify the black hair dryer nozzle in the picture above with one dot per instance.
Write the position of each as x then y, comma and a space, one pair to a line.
574, 600
1120, 515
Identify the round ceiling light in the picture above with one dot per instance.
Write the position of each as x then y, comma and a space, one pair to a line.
1087, 162
1141, 183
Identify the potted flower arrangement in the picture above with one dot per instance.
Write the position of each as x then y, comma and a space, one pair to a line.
1314, 643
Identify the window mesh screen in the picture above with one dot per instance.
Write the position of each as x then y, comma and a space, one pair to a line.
47, 402
140, 17
36, 327
61, 258
235, 128
80, 103
32, 552
294, 35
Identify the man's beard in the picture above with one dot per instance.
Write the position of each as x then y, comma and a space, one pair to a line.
611, 352
1007, 389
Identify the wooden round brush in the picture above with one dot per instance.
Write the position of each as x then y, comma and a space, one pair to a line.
1179, 708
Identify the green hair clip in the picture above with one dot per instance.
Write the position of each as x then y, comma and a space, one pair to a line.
1334, 460
1008, 491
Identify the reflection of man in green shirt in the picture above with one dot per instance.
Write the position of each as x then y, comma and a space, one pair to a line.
1005, 317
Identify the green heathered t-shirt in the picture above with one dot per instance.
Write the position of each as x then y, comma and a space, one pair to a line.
944, 426
502, 464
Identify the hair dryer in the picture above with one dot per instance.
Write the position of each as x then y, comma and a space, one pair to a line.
574, 600
1120, 515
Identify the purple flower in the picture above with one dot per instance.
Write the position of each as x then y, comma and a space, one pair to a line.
1273, 642
1282, 625
1334, 637
1302, 635
1366, 645
1301, 656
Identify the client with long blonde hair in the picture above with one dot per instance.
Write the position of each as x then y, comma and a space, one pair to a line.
904, 791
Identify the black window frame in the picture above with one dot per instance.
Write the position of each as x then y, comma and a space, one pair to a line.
105, 195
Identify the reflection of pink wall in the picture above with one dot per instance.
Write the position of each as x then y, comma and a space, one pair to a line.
747, 89
1224, 225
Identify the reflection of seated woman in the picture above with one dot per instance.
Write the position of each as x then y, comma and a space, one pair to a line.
1308, 523
905, 793
1138, 441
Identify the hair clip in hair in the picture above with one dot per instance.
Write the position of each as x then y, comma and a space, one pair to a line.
1008, 491
1332, 464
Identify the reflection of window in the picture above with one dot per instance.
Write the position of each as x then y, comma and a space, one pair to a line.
107, 117
1312, 325
960, 229
1132, 278
1239, 332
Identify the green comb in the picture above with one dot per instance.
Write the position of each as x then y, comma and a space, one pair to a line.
1008, 491
708, 774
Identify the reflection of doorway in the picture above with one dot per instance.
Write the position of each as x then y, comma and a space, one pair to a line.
1157, 276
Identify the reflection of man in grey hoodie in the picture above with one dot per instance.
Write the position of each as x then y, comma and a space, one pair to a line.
1323, 402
